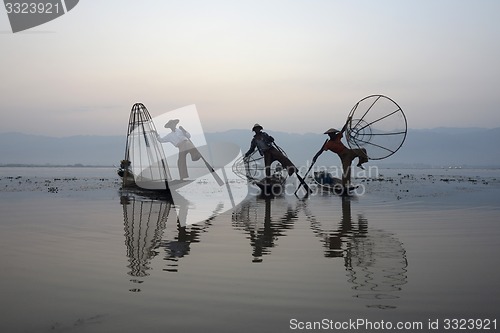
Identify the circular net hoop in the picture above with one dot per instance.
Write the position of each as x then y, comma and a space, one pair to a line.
253, 169
378, 125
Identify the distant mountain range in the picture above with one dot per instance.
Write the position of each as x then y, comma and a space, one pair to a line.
18, 148
439, 147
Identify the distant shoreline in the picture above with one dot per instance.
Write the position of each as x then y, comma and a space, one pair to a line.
452, 147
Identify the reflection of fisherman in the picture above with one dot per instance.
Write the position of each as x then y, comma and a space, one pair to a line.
336, 239
346, 155
263, 231
264, 143
179, 137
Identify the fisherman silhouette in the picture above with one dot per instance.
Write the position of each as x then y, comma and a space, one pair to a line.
271, 152
264, 143
180, 138
346, 155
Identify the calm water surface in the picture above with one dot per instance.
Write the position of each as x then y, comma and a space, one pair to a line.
79, 256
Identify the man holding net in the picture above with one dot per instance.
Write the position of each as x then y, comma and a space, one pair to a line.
265, 145
346, 155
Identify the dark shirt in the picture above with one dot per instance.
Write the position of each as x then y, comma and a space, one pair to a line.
262, 141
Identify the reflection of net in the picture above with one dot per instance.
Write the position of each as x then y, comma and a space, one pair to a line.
377, 266
379, 125
375, 260
144, 224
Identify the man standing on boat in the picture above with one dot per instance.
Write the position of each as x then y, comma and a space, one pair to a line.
346, 155
271, 152
265, 145
179, 137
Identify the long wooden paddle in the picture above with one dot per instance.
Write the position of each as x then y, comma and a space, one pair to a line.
301, 180
209, 167
307, 173
303, 183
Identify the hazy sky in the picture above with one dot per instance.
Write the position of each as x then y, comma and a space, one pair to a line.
295, 66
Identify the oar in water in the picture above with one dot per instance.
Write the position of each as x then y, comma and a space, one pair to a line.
212, 171
301, 180
209, 167
301, 183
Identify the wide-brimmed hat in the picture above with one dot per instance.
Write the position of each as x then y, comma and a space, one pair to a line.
331, 131
256, 126
171, 123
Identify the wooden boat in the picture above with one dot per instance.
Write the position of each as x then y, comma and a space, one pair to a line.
144, 167
327, 182
252, 169
272, 186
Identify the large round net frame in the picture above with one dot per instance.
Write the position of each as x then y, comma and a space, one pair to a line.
378, 124
252, 169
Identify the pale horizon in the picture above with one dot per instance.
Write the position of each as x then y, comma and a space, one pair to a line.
438, 129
